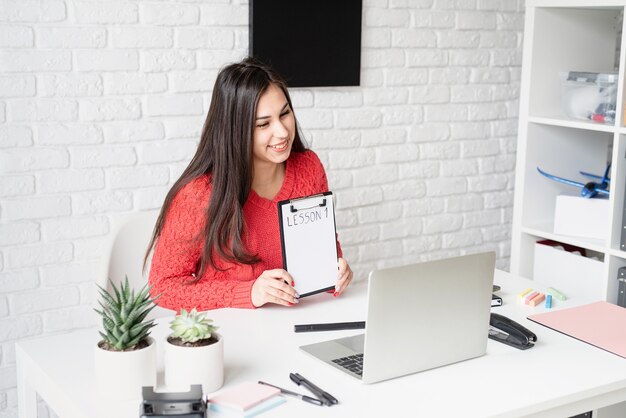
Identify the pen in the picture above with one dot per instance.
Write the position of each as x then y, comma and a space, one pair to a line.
326, 397
305, 398
329, 327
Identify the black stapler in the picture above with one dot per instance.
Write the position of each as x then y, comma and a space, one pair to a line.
511, 333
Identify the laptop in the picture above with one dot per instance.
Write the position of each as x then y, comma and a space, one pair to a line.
419, 317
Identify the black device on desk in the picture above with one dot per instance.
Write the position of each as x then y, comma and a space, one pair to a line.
178, 404
511, 333
335, 326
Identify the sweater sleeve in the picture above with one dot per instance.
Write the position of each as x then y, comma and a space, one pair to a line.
177, 255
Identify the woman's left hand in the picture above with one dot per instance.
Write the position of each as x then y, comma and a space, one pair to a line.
344, 276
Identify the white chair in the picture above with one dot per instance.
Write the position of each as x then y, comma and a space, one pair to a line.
127, 247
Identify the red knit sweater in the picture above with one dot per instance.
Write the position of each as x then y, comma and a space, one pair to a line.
177, 254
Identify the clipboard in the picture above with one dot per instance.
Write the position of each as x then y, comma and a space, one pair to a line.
309, 242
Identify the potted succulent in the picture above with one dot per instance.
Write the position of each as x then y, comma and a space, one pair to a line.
125, 358
194, 353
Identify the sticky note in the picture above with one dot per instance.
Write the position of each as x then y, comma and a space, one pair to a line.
555, 293
529, 297
521, 296
537, 299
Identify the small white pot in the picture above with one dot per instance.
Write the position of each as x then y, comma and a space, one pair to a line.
186, 366
121, 374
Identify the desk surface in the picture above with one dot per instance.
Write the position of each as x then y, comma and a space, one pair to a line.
559, 377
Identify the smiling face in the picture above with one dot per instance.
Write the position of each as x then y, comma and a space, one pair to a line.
274, 128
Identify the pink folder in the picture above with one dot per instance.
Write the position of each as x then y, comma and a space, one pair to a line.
601, 324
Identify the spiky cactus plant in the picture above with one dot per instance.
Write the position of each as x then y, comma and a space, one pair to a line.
124, 317
192, 329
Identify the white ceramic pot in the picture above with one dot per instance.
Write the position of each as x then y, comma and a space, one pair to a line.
121, 374
186, 366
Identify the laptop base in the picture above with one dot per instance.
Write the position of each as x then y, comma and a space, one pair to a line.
328, 351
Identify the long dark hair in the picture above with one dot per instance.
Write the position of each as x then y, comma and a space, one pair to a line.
225, 155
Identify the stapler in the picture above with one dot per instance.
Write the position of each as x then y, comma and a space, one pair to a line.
511, 333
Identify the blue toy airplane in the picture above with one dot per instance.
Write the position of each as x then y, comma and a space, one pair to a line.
590, 189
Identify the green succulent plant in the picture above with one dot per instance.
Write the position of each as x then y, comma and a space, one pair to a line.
124, 316
192, 326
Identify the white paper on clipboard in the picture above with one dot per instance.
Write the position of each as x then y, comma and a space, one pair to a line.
309, 243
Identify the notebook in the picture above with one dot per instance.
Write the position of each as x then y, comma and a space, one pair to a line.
601, 324
247, 399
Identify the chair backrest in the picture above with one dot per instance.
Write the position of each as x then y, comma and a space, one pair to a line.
127, 248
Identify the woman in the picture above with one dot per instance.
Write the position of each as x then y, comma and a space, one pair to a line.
217, 241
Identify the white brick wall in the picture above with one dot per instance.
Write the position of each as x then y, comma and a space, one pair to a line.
102, 103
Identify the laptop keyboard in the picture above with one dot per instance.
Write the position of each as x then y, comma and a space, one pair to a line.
353, 363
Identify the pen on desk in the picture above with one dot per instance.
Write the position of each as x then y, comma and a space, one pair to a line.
329, 326
326, 397
305, 398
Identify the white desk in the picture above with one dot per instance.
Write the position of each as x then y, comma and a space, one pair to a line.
559, 377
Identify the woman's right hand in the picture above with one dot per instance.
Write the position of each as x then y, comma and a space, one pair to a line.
271, 287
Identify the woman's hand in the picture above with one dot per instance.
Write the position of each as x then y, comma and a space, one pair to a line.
271, 287
344, 276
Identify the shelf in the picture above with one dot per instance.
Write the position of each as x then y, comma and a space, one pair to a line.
617, 253
562, 36
544, 230
573, 123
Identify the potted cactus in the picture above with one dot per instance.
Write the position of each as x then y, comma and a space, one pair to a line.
194, 353
125, 358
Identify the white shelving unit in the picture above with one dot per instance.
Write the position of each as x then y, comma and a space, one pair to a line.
562, 36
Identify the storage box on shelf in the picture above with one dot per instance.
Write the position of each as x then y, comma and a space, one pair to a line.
589, 96
569, 269
582, 217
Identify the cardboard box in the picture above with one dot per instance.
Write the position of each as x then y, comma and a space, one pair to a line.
574, 275
582, 217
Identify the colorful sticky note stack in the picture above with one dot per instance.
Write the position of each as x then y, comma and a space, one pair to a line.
246, 400
533, 297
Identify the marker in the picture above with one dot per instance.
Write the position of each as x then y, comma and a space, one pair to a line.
305, 398
548, 301
326, 397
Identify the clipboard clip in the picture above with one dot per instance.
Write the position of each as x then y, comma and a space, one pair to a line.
293, 209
